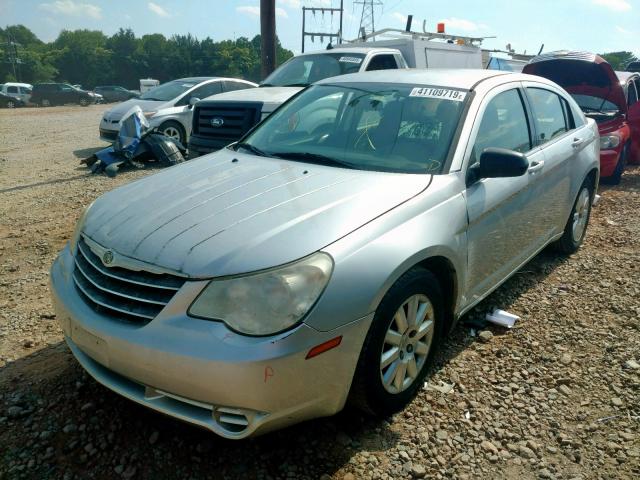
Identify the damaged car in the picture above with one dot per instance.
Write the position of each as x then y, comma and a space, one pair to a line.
326, 255
594, 85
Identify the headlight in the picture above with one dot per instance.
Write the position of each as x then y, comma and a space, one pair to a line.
608, 142
73, 243
149, 114
266, 302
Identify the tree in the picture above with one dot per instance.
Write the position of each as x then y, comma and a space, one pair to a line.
619, 60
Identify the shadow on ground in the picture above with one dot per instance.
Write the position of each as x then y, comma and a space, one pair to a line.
72, 426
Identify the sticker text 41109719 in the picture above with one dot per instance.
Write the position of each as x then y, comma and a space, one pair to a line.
444, 93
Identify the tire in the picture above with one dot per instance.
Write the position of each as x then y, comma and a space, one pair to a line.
45, 102
11, 104
84, 102
616, 176
384, 382
174, 130
576, 228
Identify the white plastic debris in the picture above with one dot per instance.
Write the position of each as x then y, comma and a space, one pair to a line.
503, 318
442, 388
467, 415
596, 200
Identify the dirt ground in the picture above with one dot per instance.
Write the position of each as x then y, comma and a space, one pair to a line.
558, 396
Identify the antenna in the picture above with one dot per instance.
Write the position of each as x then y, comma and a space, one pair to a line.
367, 19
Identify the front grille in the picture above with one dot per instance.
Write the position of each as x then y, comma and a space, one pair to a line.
237, 119
110, 134
133, 296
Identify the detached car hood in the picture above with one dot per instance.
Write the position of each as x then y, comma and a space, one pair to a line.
119, 110
214, 216
580, 73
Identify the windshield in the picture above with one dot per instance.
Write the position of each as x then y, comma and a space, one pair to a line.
307, 69
589, 104
167, 91
383, 127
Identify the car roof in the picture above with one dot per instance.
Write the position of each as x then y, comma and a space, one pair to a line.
625, 76
342, 50
462, 78
196, 79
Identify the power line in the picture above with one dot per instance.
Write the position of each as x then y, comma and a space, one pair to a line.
367, 19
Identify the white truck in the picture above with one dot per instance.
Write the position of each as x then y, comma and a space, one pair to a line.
147, 84
226, 117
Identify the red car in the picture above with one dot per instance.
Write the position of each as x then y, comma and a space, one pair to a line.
610, 99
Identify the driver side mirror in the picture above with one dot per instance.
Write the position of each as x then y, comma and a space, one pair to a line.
193, 101
498, 163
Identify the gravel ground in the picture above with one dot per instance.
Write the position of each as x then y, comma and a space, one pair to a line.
558, 396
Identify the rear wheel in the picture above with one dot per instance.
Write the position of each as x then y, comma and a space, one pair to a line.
406, 330
84, 102
11, 104
45, 102
173, 130
576, 228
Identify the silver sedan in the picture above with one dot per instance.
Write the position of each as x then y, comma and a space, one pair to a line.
327, 255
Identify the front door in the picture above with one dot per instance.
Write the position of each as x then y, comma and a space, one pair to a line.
498, 235
633, 117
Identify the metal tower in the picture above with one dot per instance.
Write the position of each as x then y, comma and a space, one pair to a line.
367, 20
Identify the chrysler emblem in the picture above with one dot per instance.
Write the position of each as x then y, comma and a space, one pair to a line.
217, 122
107, 258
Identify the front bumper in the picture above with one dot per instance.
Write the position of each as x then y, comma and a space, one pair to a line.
608, 162
108, 135
201, 145
201, 372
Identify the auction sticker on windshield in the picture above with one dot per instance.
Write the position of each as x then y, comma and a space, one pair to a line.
350, 60
444, 93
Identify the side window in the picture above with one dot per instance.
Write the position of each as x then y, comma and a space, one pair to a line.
568, 114
382, 62
548, 114
205, 91
231, 86
12, 89
633, 95
504, 125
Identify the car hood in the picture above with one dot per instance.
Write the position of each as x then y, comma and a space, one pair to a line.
229, 213
120, 109
580, 73
272, 97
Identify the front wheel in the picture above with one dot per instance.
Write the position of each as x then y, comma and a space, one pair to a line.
45, 102
405, 333
576, 228
84, 102
173, 130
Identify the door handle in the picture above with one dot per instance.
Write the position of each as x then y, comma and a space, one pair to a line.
536, 166
577, 142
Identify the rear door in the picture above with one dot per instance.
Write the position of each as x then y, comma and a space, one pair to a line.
633, 117
556, 136
498, 209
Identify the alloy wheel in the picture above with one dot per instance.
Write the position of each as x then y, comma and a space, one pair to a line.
11, 104
581, 214
407, 343
172, 132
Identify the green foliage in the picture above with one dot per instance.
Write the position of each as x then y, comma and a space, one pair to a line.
90, 58
619, 60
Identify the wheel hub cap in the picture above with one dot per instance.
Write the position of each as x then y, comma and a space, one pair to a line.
407, 343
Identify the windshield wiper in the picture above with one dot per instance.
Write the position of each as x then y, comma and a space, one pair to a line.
252, 149
296, 85
313, 158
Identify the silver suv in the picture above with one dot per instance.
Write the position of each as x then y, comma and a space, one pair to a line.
329, 252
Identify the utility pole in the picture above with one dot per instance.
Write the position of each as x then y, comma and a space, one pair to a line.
322, 10
268, 36
12, 55
367, 19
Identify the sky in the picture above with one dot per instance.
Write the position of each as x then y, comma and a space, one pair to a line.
591, 25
